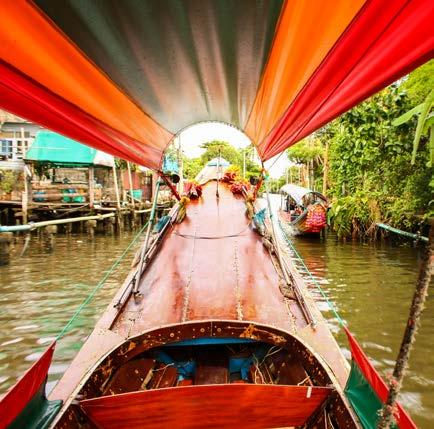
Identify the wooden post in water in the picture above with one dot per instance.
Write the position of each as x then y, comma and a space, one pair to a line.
90, 227
91, 186
50, 232
118, 199
68, 228
109, 225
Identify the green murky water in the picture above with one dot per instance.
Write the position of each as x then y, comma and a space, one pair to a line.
41, 291
371, 285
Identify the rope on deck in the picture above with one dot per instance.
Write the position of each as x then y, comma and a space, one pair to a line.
100, 284
312, 278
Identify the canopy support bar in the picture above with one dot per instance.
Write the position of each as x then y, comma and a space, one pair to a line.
285, 269
170, 185
146, 244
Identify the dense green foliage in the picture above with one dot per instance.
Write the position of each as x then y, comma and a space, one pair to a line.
419, 83
370, 174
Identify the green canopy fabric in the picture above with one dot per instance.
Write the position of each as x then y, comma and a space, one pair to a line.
57, 150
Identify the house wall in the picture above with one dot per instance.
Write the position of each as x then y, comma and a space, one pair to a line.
16, 136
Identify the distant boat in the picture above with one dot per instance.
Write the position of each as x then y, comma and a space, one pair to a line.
302, 211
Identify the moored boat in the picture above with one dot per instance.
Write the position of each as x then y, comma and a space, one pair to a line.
302, 211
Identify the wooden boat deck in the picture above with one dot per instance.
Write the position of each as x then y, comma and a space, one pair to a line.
212, 266
230, 276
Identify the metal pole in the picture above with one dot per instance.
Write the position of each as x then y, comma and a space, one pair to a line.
181, 167
34, 225
130, 182
304, 307
218, 175
273, 229
118, 200
148, 235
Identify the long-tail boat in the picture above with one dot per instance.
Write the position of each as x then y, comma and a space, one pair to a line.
302, 211
213, 327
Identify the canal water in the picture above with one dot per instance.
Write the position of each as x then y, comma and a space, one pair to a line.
370, 284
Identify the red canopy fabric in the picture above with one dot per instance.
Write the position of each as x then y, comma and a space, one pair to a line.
384, 42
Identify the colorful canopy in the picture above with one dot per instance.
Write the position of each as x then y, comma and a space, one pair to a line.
125, 76
54, 149
298, 192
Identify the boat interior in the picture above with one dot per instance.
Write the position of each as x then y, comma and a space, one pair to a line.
222, 378
231, 339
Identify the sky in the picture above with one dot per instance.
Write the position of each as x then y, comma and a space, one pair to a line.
191, 139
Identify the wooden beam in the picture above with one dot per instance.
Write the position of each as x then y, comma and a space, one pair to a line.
130, 182
91, 186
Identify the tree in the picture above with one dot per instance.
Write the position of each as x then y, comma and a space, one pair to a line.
192, 167
310, 153
234, 156
216, 147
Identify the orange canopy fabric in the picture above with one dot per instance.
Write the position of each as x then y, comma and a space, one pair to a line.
305, 35
124, 77
31, 43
